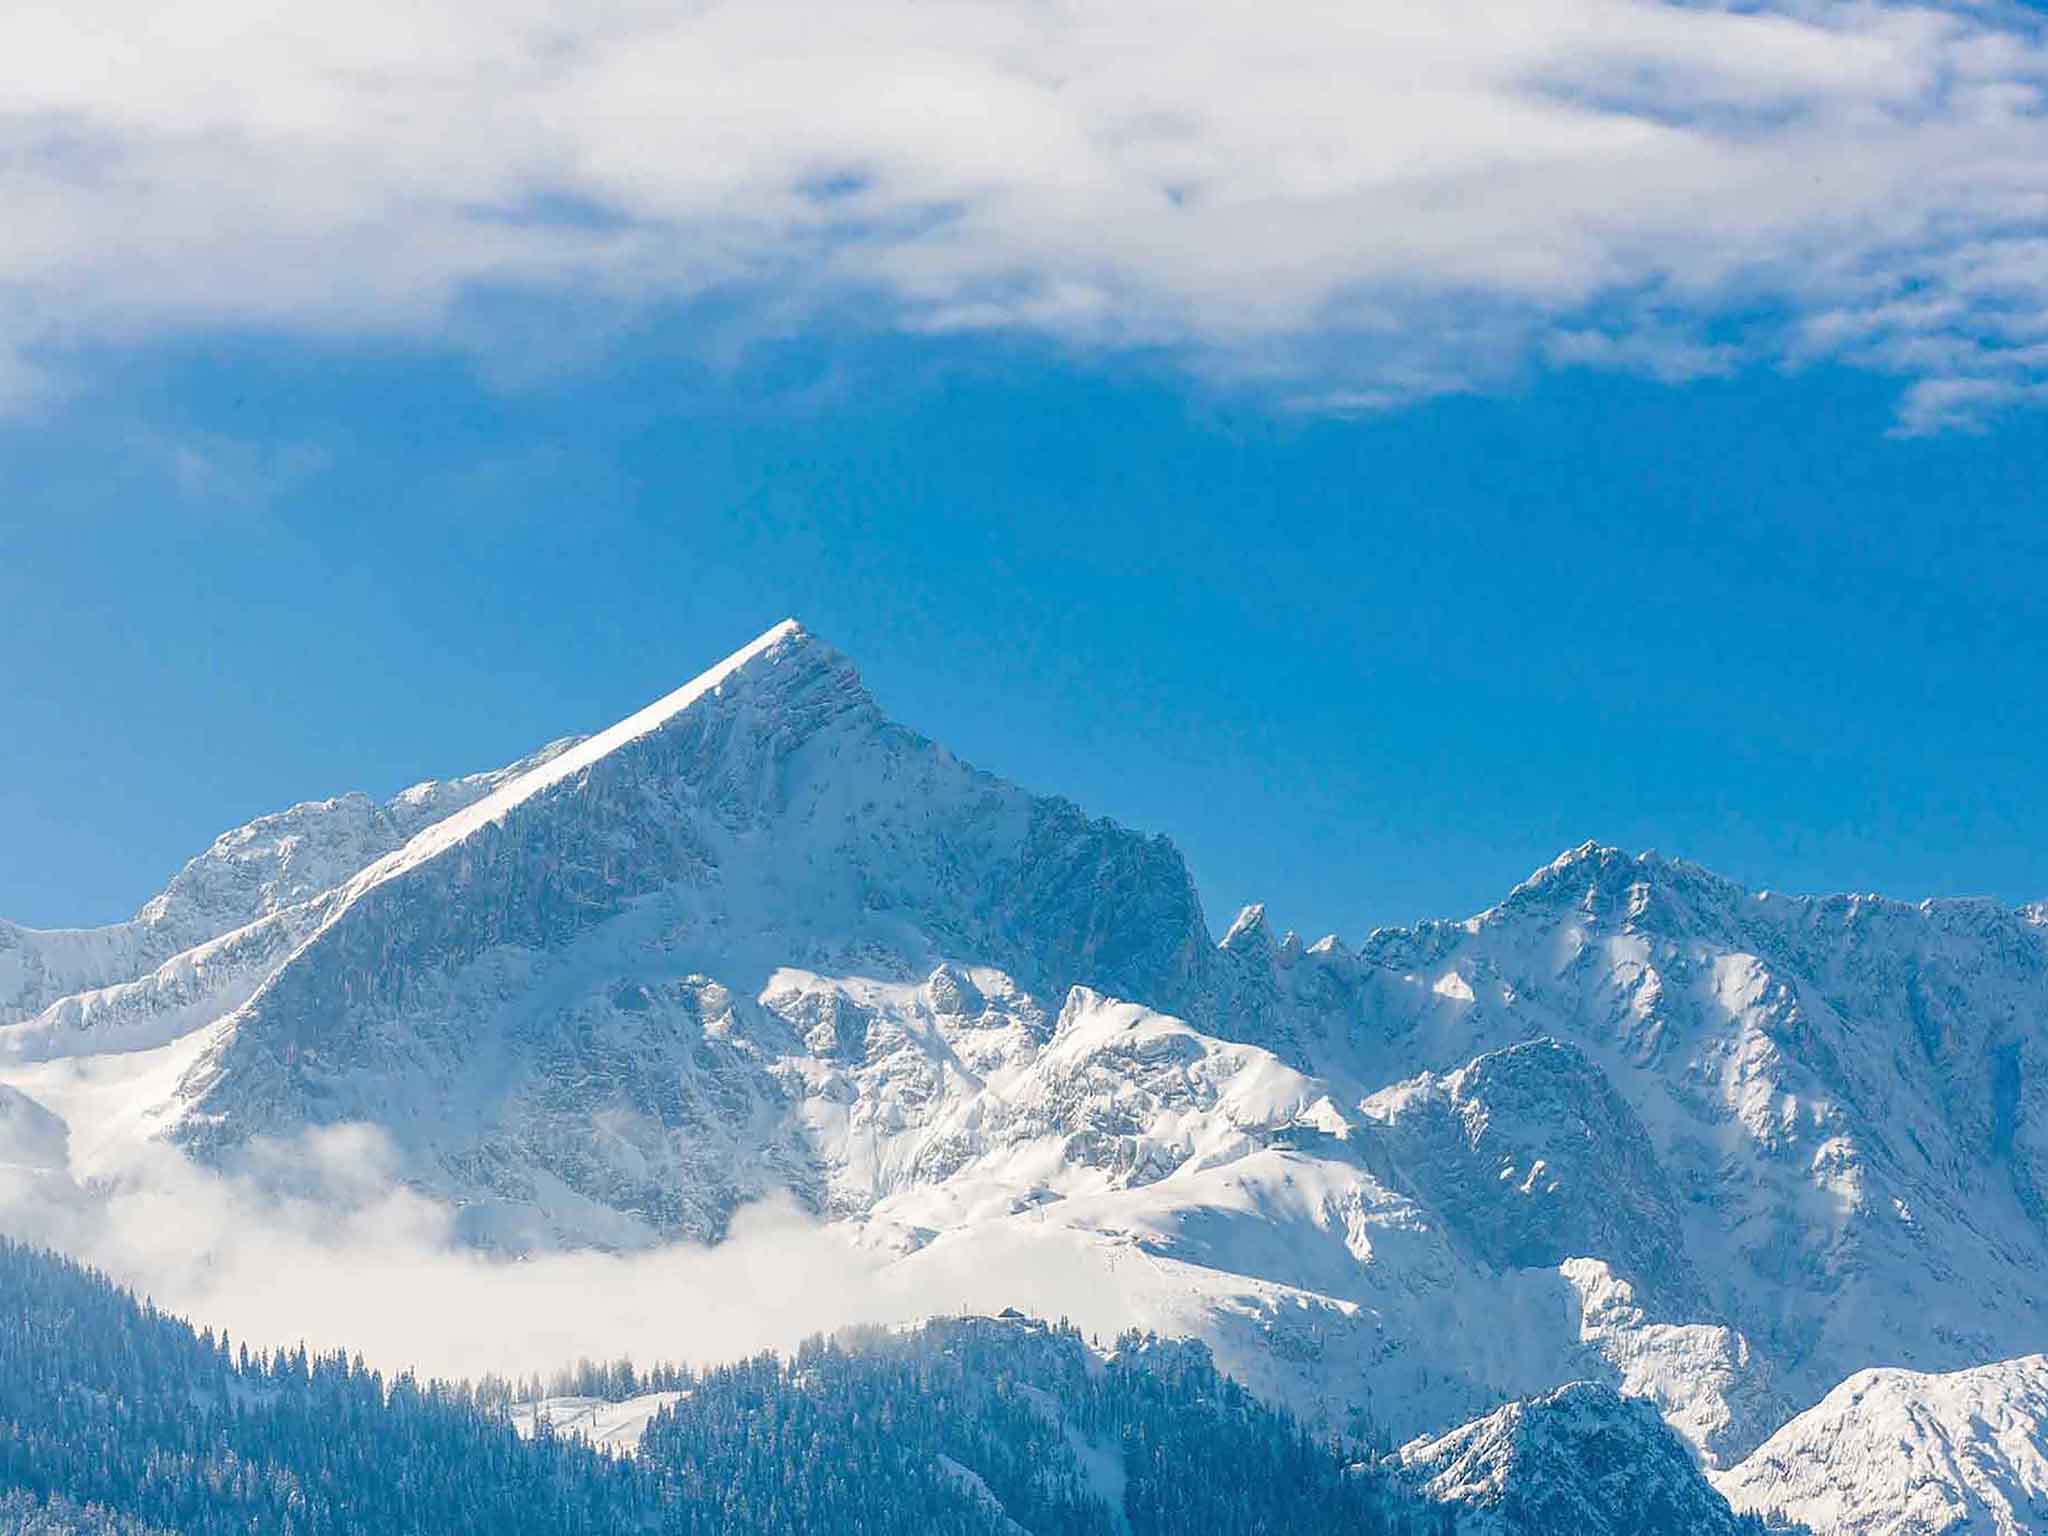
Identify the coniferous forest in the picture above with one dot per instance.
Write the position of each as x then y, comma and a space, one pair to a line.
119, 1420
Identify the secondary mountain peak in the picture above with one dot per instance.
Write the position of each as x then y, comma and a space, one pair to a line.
1581, 1458
1604, 880
1250, 932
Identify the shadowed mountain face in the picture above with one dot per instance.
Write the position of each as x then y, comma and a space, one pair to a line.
1714, 1148
1530, 1158
1579, 1459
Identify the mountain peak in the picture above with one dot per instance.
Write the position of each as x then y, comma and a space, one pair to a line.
764, 815
1607, 881
1250, 932
1596, 858
1581, 1458
786, 652
781, 644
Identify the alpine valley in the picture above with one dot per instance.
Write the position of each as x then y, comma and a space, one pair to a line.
1637, 1202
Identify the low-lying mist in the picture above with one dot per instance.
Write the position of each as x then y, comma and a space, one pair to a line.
316, 1241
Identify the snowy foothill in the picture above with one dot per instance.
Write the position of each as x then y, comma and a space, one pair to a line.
1901, 1453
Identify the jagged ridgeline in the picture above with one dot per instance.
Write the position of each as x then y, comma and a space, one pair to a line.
1716, 1149
116, 1418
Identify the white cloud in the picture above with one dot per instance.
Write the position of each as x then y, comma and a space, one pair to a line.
316, 1240
1950, 404
1354, 199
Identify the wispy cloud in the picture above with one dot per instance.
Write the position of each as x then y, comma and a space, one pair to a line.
231, 477
1349, 199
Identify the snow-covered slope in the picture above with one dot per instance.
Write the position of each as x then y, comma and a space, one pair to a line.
253, 872
1902, 1453
1846, 1096
1579, 1460
611, 1426
31, 1138
1710, 1148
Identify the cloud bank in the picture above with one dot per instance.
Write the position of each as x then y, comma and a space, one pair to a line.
317, 1242
1350, 203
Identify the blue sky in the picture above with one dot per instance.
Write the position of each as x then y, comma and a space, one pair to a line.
1366, 668
1377, 445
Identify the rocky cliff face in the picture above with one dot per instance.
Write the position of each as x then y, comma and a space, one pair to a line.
1529, 1157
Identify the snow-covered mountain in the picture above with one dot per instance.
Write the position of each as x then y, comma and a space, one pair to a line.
1900, 1453
1712, 1148
254, 875
1580, 1459
674, 946
1848, 1097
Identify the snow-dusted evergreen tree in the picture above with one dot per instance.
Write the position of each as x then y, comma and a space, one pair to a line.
118, 1419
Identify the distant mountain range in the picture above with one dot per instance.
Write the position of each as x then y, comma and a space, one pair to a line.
1713, 1149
